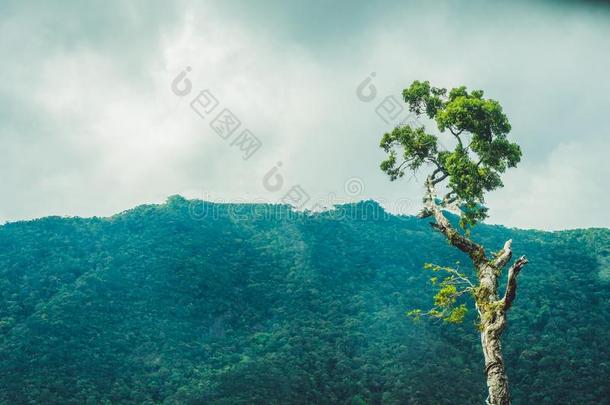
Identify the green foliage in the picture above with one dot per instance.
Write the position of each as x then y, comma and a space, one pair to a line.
452, 286
482, 152
417, 145
457, 314
152, 306
446, 296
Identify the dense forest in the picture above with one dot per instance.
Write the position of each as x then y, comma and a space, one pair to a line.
208, 303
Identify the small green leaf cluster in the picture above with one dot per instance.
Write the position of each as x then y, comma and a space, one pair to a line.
452, 286
417, 144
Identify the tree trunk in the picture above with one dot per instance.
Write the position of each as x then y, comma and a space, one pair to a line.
493, 321
492, 310
497, 383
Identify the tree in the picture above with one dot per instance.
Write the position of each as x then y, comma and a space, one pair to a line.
482, 153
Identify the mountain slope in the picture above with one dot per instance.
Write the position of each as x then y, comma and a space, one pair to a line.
242, 304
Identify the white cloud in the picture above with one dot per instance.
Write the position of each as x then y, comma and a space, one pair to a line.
94, 130
568, 190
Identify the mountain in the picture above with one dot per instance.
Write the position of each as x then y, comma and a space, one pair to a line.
203, 303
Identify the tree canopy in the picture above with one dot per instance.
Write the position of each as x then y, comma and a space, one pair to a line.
481, 154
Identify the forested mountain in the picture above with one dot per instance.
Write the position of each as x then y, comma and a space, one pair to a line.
255, 304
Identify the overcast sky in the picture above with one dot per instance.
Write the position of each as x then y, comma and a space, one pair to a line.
89, 124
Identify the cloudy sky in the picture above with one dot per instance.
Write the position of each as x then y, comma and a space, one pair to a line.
90, 125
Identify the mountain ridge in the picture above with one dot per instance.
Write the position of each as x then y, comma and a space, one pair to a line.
282, 206
154, 306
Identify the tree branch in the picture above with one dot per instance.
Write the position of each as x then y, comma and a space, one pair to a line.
504, 255
457, 275
448, 199
402, 164
475, 251
457, 136
443, 177
511, 286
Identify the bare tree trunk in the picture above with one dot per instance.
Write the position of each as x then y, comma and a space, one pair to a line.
497, 382
493, 321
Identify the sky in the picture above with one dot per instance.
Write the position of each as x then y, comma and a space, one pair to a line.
96, 119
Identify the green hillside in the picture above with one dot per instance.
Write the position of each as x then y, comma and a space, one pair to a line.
256, 304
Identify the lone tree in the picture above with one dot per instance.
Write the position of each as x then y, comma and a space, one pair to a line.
482, 153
